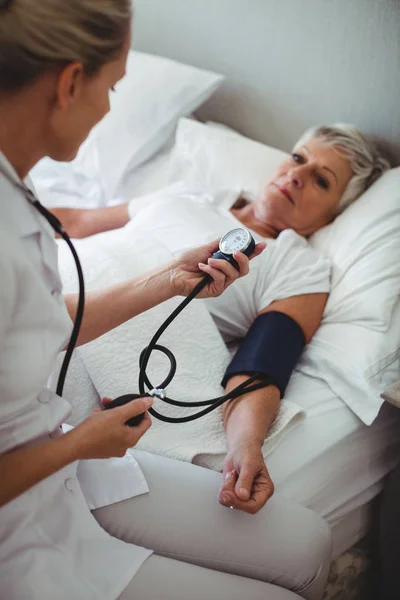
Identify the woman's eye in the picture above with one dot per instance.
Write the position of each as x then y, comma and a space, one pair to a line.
297, 158
322, 182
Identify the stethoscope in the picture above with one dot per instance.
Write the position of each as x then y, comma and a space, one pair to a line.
238, 239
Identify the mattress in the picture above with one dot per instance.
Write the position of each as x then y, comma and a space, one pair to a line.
351, 529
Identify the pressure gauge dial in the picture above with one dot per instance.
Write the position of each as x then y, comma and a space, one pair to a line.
239, 239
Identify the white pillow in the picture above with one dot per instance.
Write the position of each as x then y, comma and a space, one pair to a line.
144, 113
75, 184
359, 339
363, 244
216, 158
357, 363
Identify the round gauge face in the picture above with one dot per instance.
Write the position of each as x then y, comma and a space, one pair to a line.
237, 239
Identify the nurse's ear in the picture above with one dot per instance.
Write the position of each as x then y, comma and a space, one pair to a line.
70, 85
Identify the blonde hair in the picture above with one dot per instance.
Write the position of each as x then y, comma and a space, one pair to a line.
36, 35
366, 161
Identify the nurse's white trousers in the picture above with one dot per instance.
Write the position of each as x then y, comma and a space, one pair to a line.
232, 555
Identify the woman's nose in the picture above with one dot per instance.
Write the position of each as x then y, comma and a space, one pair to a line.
297, 178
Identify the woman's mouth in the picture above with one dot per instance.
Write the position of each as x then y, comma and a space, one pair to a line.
285, 192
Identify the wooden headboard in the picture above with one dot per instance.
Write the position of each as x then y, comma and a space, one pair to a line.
289, 64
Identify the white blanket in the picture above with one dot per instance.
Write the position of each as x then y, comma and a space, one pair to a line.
109, 366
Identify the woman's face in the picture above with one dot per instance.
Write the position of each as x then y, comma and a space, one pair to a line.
80, 102
306, 189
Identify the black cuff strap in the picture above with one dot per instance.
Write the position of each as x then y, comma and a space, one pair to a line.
271, 347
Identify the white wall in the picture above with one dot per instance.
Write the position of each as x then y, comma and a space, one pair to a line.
290, 63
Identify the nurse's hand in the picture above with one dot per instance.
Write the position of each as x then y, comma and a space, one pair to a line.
189, 269
105, 435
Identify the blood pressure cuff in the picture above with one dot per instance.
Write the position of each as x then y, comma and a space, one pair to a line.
271, 347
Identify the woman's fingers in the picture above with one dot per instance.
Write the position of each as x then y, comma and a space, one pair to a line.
227, 496
223, 272
225, 267
248, 487
106, 401
243, 262
259, 248
185, 274
230, 272
139, 430
219, 280
135, 407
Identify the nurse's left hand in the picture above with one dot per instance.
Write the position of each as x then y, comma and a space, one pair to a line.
189, 269
104, 434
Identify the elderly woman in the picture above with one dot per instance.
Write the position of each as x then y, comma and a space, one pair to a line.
78, 518
328, 169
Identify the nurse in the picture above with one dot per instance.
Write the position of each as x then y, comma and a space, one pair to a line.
80, 517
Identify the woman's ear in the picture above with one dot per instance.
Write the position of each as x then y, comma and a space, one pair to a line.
70, 83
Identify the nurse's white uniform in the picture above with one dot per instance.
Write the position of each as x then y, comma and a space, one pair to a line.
50, 544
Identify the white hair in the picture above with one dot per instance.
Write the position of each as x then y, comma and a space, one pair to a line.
366, 161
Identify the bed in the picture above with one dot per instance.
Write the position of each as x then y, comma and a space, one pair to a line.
271, 69
319, 453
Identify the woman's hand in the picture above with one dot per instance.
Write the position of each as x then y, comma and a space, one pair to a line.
105, 435
247, 485
190, 268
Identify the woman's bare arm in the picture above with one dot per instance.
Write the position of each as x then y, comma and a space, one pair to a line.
112, 306
248, 419
83, 222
